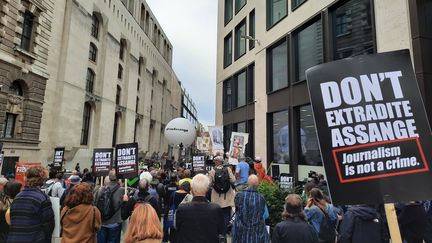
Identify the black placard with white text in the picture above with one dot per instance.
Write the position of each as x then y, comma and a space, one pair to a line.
198, 164
374, 135
58, 158
102, 161
126, 160
286, 181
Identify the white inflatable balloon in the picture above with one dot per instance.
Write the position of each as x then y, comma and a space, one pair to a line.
180, 130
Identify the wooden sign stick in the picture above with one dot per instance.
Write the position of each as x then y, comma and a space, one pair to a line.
126, 186
393, 223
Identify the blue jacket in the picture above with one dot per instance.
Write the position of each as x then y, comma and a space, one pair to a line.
249, 224
315, 216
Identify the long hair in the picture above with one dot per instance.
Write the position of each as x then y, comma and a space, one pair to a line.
144, 224
80, 194
35, 176
293, 207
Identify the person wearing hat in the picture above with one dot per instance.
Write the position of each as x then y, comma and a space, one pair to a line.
74, 180
259, 169
295, 227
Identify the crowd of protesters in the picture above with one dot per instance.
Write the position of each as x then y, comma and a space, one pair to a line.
171, 205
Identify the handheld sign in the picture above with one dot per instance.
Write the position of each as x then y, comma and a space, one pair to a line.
102, 161
374, 135
286, 181
58, 158
198, 164
127, 160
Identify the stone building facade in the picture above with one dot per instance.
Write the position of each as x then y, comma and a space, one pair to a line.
25, 30
110, 81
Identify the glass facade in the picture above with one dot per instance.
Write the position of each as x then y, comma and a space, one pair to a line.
309, 49
309, 153
276, 10
240, 41
228, 11
241, 89
280, 137
278, 66
228, 50
239, 4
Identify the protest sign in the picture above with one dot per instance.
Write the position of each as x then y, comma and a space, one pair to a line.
21, 168
237, 146
102, 161
372, 127
286, 181
198, 164
58, 158
216, 135
127, 160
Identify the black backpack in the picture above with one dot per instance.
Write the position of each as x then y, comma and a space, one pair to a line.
105, 203
327, 231
222, 182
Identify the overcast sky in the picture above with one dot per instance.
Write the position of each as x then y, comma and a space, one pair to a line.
191, 26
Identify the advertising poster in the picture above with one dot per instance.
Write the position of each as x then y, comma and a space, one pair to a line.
238, 145
102, 161
127, 160
216, 135
21, 168
372, 127
198, 164
58, 158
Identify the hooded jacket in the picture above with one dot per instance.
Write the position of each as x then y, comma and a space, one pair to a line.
362, 224
80, 223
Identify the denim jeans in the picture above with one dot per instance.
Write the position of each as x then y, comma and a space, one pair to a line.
109, 235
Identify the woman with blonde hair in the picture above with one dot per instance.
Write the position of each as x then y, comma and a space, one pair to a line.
144, 225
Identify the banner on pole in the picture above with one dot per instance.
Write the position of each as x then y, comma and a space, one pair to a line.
127, 160
372, 127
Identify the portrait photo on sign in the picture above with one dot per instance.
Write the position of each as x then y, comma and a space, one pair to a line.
238, 144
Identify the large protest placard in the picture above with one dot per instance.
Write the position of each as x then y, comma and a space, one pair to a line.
21, 168
373, 131
286, 181
102, 161
58, 158
216, 135
127, 160
198, 164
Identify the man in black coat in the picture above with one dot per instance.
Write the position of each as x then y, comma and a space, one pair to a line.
143, 196
295, 227
200, 220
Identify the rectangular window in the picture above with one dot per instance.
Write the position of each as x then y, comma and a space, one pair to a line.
227, 95
27, 30
85, 130
352, 29
280, 144
296, 3
9, 125
240, 40
228, 129
308, 49
228, 50
252, 29
250, 83
241, 89
240, 127
278, 66
228, 11
309, 153
276, 10
120, 72
239, 4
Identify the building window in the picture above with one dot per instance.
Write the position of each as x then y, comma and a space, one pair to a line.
227, 95
122, 48
15, 88
278, 66
136, 129
309, 153
240, 81
239, 4
296, 3
93, 52
138, 85
120, 72
252, 29
86, 124
118, 94
131, 6
95, 27
352, 29
308, 49
228, 50
137, 105
115, 128
276, 10
90, 80
250, 83
280, 144
140, 65
27, 30
9, 125
240, 40
228, 11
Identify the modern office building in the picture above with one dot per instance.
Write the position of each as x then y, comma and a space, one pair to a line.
188, 109
104, 77
264, 48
